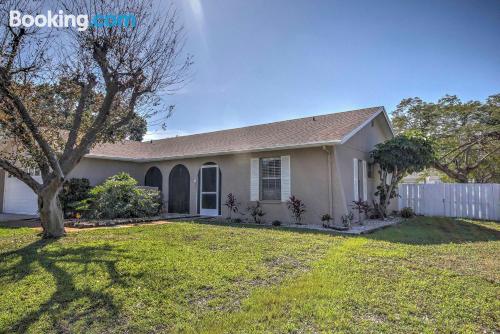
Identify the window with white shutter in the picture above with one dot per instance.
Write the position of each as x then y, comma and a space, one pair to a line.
365, 182
270, 179
355, 178
285, 178
254, 179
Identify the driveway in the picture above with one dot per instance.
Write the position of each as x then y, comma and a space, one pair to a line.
9, 217
17, 220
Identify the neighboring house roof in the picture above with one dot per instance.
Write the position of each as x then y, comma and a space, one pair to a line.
320, 130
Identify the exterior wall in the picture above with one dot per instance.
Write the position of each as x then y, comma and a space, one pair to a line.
308, 167
2, 187
309, 175
97, 170
359, 147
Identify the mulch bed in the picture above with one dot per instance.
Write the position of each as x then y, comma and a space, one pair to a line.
80, 223
83, 223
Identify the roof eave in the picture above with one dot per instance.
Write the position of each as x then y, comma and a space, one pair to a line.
365, 123
190, 156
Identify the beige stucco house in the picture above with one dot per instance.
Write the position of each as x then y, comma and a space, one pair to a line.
322, 160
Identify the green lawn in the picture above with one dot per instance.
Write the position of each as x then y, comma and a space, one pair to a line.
425, 275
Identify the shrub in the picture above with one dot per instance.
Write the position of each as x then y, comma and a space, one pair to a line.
231, 204
407, 212
347, 219
73, 191
326, 219
256, 212
236, 220
276, 223
361, 207
297, 208
119, 197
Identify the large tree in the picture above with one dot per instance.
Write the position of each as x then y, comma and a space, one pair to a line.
466, 134
108, 79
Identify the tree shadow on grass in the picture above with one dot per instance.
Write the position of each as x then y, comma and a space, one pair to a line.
438, 230
93, 305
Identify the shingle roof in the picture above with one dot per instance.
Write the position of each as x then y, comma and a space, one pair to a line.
302, 132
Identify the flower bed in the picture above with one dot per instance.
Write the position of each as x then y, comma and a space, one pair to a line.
87, 223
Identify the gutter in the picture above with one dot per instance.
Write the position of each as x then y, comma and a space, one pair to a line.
330, 185
188, 156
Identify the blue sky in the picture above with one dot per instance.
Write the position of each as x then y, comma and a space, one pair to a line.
258, 61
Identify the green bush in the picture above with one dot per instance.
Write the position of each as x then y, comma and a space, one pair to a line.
256, 212
73, 191
276, 223
119, 197
407, 212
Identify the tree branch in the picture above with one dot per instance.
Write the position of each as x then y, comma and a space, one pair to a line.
77, 120
28, 121
21, 175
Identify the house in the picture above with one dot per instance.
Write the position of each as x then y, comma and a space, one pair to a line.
322, 160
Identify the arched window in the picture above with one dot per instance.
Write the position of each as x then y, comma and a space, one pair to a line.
178, 190
154, 178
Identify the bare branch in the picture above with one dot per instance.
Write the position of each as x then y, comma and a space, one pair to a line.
21, 175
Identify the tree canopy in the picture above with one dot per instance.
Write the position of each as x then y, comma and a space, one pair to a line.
63, 91
465, 135
397, 157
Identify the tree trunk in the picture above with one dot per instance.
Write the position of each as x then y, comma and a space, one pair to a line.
51, 214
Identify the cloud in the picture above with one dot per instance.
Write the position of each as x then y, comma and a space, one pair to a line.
197, 10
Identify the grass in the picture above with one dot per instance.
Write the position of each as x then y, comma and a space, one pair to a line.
426, 275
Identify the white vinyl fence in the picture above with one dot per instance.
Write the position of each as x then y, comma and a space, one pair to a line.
471, 200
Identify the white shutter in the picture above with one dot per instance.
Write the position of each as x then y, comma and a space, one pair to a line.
285, 178
365, 181
254, 179
355, 172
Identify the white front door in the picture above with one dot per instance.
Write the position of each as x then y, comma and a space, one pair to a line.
209, 190
18, 197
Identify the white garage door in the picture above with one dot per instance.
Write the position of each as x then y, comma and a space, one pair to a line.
18, 197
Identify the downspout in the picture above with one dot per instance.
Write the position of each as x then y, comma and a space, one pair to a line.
330, 186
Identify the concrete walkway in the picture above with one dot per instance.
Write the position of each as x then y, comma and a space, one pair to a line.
11, 217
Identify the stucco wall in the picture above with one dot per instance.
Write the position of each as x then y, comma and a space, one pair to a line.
2, 187
309, 175
97, 170
359, 147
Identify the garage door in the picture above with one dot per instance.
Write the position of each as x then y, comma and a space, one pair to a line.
18, 197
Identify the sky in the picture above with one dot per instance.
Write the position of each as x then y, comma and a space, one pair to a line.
259, 61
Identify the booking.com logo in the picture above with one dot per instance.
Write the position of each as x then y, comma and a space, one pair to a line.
62, 20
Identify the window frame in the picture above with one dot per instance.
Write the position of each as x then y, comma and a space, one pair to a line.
276, 178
